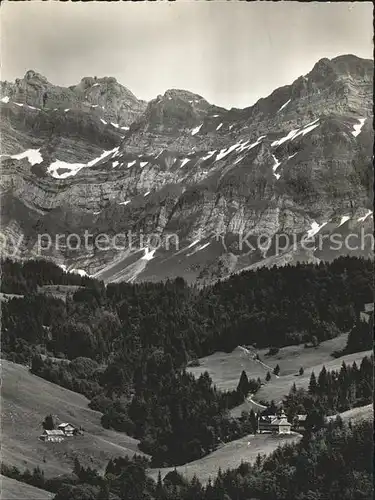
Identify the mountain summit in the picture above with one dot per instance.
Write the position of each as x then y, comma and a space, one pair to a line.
104, 96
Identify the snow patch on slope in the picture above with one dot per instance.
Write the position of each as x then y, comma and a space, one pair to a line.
275, 166
149, 254
73, 168
258, 141
70, 169
81, 272
283, 106
208, 155
358, 127
307, 128
192, 244
295, 133
238, 160
196, 129
225, 152
102, 156
344, 219
361, 219
198, 249
315, 228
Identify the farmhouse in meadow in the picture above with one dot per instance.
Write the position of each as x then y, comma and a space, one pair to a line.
274, 424
67, 429
55, 436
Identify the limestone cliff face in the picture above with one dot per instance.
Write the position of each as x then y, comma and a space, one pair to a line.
94, 157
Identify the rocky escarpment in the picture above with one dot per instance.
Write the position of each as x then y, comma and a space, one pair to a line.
297, 162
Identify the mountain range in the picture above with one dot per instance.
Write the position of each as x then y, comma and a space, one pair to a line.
200, 187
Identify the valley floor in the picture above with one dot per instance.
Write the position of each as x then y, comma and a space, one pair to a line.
229, 456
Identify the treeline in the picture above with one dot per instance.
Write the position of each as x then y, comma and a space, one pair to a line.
360, 338
333, 391
85, 480
334, 462
279, 306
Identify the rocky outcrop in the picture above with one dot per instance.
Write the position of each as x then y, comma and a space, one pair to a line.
296, 160
102, 97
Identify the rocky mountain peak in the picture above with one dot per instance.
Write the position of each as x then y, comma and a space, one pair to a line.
184, 95
297, 160
33, 76
108, 99
175, 109
344, 66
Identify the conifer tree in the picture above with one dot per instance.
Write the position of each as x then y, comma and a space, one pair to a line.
253, 421
48, 423
243, 384
104, 492
322, 381
312, 384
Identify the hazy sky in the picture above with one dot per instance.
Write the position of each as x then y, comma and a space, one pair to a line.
232, 53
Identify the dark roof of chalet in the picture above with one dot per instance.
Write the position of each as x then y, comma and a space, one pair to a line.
54, 432
274, 420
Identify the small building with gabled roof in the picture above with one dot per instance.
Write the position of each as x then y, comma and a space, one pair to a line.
274, 424
66, 428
